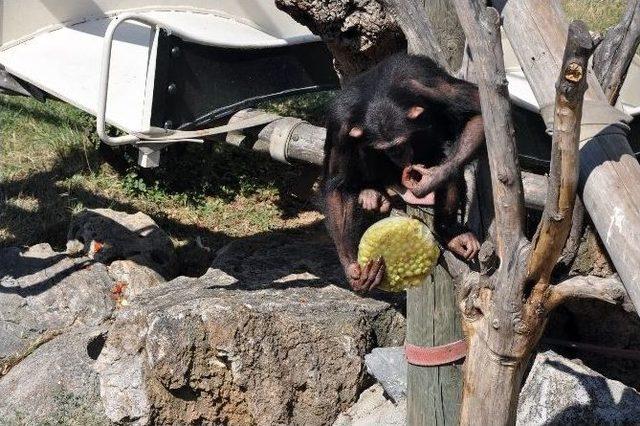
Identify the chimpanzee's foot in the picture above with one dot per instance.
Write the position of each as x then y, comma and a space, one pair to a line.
374, 201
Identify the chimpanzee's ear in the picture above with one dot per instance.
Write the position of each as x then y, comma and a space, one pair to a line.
414, 112
435, 94
356, 132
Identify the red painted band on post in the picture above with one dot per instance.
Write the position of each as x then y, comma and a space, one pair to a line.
436, 355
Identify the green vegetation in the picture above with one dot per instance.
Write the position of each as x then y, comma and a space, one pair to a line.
598, 14
51, 165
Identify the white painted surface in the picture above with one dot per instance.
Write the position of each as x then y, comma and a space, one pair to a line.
66, 63
22, 18
65, 60
523, 96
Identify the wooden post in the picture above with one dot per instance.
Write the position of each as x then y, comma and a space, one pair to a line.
433, 393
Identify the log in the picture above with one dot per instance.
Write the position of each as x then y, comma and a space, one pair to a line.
537, 31
422, 25
305, 145
433, 393
300, 141
613, 56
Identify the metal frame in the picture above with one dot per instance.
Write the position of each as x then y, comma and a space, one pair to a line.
160, 135
157, 137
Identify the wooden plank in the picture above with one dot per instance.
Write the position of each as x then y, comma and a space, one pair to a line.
433, 393
609, 174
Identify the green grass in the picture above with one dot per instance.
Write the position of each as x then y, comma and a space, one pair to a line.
51, 165
597, 14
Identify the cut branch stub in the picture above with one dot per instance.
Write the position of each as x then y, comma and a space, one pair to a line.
555, 225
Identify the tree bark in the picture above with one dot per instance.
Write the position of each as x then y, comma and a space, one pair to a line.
359, 33
612, 58
431, 29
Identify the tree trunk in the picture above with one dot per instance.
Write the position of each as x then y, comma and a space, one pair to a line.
490, 384
359, 33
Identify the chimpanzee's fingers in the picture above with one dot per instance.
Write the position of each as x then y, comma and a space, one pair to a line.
378, 277
353, 271
476, 248
373, 274
468, 253
365, 271
385, 205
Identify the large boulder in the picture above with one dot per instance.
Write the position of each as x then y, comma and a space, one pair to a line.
44, 291
561, 391
56, 384
106, 235
206, 350
373, 408
276, 259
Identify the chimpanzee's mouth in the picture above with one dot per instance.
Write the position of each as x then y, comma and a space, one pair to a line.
411, 180
411, 177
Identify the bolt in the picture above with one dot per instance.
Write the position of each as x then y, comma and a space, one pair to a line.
168, 124
175, 51
172, 89
295, 138
495, 323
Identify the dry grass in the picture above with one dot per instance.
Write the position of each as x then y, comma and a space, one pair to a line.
598, 14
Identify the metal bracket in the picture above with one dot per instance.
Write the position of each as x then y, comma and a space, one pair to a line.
156, 135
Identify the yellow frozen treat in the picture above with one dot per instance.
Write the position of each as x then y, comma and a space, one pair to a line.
409, 250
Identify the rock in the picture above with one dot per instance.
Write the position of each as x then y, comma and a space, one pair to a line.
373, 408
389, 367
592, 322
56, 383
136, 277
42, 290
560, 391
206, 351
107, 235
278, 259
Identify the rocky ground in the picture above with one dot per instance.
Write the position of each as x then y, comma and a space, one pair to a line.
105, 333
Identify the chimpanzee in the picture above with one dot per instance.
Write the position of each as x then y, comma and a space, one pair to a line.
405, 121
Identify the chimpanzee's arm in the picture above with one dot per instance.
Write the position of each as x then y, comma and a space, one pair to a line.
341, 188
461, 103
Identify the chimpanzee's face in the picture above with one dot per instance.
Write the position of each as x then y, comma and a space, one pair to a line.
387, 127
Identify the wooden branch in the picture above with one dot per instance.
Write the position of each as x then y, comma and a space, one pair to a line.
412, 18
612, 58
537, 31
482, 28
578, 226
608, 290
563, 177
535, 190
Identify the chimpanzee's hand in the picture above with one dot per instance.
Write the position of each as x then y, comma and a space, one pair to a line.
421, 180
372, 200
464, 245
365, 279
